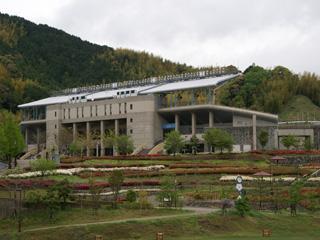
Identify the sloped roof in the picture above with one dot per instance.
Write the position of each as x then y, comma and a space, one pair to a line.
189, 84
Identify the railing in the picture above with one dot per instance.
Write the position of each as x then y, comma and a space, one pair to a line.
150, 81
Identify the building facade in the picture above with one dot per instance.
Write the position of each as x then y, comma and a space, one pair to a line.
145, 110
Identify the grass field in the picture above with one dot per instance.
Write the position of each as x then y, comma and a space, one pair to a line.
213, 226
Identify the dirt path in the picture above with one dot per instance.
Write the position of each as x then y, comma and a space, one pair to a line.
195, 211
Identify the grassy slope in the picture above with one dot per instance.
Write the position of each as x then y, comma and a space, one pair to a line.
197, 228
300, 108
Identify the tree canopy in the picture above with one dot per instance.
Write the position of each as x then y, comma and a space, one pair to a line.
218, 138
173, 142
11, 139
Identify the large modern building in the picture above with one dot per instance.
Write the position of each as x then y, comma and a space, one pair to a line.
144, 109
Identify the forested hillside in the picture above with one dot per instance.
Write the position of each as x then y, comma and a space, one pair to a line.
270, 90
35, 59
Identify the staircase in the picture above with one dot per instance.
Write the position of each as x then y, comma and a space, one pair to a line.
159, 148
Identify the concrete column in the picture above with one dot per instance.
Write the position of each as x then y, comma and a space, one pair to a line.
211, 119
88, 138
38, 139
102, 153
177, 122
116, 127
26, 133
254, 132
74, 132
116, 133
193, 123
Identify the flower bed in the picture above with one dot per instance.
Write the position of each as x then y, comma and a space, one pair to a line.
86, 186
224, 156
288, 152
4, 183
74, 171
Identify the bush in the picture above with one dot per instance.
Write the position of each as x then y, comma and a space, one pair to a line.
43, 165
131, 196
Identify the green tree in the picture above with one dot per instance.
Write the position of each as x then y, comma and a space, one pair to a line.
307, 144
263, 138
173, 142
131, 196
95, 193
295, 195
218, 138
123, 144
169, 194
63, 190
242, 206
116, 180
43, 165
194, 143
11, 140
51, 200
289, 141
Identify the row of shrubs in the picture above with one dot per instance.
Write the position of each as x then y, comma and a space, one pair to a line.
224, 156
287, 152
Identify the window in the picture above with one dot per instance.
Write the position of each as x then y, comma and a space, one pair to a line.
55, 113
64, 113
110, 109
77, 112
82, 111
105, 109
55, 126
90, 111
69, 113
131, 106
132, 91
131, 131
96, 110
125, 107
131, 120
127, 92
119, 108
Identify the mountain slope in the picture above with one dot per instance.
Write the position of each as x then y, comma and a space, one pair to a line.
58, 60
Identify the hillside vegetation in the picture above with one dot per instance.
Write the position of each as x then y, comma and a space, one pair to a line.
37, 59
269, 90
300, 108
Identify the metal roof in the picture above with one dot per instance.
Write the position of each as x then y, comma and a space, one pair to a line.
50, 101
182, 85
137, 90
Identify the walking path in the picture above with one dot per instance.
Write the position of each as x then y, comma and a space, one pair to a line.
195, 212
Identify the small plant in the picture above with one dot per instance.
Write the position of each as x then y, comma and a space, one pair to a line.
43, 165
242, 206
115, 180
290, 141
263, 138
131, 196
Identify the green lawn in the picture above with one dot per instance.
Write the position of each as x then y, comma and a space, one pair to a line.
214, 226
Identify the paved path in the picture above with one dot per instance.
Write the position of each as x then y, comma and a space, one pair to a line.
195, 211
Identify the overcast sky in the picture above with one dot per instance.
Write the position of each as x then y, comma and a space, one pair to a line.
196, 32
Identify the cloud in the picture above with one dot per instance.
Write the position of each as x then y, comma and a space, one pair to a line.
197, 32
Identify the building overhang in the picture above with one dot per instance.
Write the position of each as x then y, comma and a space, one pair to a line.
208, 107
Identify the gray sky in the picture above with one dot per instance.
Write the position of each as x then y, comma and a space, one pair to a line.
196, 32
